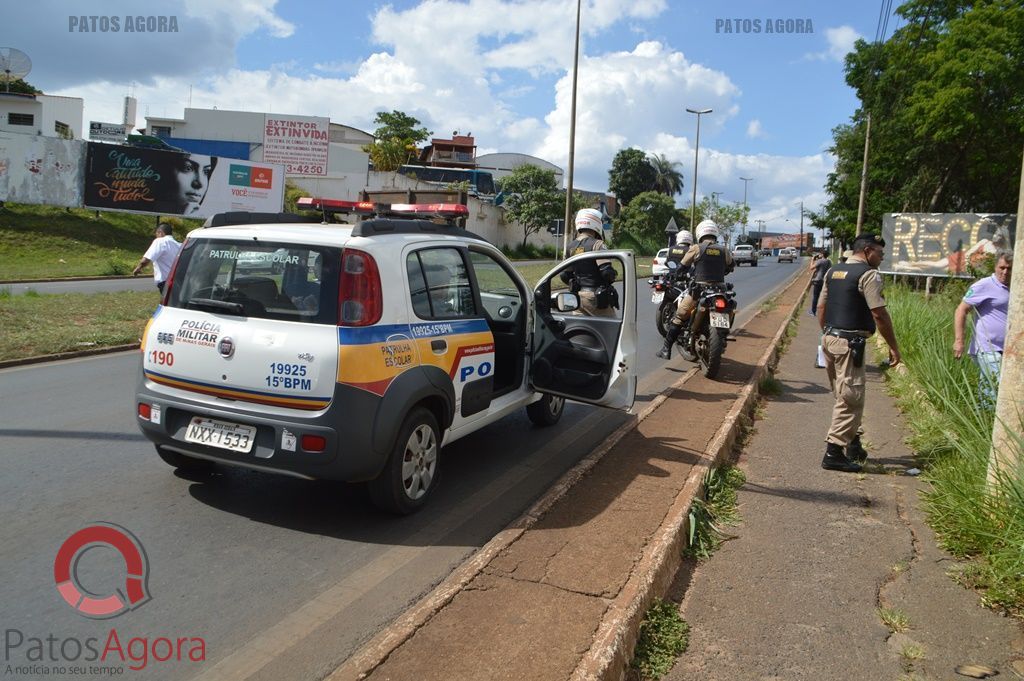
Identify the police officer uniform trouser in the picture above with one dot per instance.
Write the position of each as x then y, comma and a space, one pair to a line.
588, 305
684, 307
847, 383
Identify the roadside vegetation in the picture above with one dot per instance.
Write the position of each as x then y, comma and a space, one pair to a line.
664, 636
712, 512
979, 523
35, 324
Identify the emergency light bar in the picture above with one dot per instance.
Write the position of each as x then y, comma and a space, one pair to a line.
446, 210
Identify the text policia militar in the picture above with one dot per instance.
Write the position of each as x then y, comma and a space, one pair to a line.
118, 24
766, 25
52, 652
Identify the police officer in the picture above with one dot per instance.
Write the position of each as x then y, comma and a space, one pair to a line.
678, 250
592, 279
850, 309
711, 262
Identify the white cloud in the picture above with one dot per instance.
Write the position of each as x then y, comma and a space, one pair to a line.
840, 43
754, 129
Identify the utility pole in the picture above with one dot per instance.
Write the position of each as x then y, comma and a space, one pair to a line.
1006, 457
760, 229
863, 178
572, 135
743, 223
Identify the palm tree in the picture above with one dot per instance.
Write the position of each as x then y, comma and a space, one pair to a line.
667, 180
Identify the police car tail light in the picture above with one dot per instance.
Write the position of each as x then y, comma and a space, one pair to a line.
313, 443
719, 303
145, 412
360, 302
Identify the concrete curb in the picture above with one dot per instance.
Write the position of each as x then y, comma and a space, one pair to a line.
39, 359
378, 649
615, 640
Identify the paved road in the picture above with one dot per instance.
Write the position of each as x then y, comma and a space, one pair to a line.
84, 285
236, 553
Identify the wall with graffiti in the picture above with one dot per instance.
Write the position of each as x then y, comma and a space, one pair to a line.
37, 169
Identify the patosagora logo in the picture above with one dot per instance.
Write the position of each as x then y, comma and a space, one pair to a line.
102, 606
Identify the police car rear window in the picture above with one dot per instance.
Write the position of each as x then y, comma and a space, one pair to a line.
265, 280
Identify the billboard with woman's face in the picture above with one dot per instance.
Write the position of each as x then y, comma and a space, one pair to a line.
178, 183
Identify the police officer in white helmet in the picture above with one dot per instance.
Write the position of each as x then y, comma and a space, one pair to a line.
711, 262
591, 280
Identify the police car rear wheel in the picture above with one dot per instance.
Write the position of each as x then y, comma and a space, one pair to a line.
410, 474
546, 411
182, 462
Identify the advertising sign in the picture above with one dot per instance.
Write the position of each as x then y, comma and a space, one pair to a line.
37, 169
107, 132
781, 241
178, 183
944, 243
299, 143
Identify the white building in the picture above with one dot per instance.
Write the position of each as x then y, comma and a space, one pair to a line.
45, 115
502, 164
240, 134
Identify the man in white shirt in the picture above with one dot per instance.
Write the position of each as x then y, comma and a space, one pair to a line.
161, 253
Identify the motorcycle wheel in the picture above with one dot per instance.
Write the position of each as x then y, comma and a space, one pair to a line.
665, 313
711, 361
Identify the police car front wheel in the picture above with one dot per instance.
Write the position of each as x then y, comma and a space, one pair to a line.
546, 411
410, 474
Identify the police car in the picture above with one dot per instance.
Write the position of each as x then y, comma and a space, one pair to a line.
355, 351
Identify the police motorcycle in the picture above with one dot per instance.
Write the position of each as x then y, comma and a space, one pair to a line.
703, 340
665, 292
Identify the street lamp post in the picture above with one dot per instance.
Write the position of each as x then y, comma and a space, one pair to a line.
743, 229
572, 135
696, 153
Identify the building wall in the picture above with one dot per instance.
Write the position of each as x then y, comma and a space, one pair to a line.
21, 105
69, 110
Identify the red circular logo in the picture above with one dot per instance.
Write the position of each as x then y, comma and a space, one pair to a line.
102, 606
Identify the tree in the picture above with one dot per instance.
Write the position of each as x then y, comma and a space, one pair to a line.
667, 179
21, 87
532, 198
646, 217
396, 136
630, 175
400, 125
947, 116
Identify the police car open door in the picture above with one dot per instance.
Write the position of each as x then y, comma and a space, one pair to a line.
584, 341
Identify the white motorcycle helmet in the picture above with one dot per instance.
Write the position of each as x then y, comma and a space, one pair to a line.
707, 228
589, 219
684, 237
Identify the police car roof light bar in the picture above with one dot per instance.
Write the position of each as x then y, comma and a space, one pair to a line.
447, 210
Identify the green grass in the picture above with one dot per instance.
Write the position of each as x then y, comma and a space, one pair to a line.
951, 435
37, 324
895, 619
769, 385
41, 242
715, 510
664, 636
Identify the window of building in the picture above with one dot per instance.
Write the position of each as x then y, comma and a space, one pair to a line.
62, 129
20, 119
160, 130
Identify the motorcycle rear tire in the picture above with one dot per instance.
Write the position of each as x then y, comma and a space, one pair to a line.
715, 348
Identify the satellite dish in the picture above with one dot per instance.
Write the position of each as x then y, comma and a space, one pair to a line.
14, 65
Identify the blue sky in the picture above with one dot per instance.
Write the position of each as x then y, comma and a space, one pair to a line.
498, 69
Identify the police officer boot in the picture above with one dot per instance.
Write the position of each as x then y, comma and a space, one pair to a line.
835, 460
855, 451
671, 334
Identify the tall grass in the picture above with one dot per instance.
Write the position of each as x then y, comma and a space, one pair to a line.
952, 436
